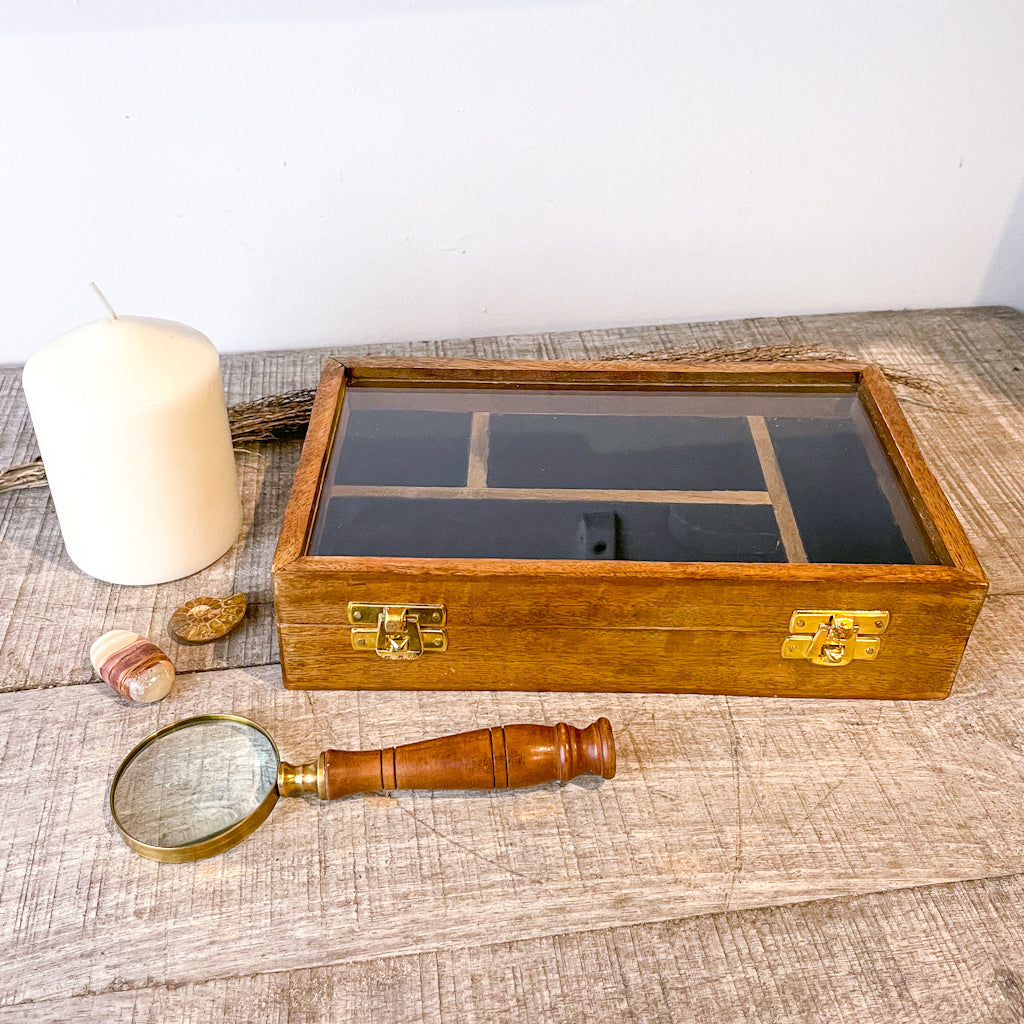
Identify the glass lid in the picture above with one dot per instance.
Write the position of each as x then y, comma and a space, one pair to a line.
634, 475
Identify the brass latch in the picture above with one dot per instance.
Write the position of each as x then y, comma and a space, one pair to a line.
398, 632
835, 638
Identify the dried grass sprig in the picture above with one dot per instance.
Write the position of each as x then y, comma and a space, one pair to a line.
273, 418
24, 474
778, 353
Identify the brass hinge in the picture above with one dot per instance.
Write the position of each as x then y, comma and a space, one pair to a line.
398, 632
834, 638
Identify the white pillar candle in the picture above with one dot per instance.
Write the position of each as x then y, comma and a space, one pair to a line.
130, 418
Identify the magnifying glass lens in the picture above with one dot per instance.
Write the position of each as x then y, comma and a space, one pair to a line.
193, 782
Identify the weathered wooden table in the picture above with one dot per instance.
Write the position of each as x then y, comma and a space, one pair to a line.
754, 859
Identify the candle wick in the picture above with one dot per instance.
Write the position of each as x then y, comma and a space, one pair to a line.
103, 299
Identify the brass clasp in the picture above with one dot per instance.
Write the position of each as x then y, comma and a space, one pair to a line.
398, 632
834, 638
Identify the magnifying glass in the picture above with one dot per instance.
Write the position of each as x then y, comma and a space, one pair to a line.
196, 788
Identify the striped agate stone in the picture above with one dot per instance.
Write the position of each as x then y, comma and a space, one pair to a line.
132, 666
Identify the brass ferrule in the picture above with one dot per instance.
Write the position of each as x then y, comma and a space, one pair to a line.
293, 779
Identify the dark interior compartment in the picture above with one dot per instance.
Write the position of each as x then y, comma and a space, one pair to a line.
405, 447
839, 507
656, 453
490, 528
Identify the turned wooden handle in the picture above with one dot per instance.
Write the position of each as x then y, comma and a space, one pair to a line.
505, 757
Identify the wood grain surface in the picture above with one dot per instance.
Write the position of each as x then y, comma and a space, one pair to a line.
753, 859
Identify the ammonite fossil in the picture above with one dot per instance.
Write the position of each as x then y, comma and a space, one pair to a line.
132, 665
205, 619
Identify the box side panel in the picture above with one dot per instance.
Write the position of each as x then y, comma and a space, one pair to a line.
722, 638
300, 510
657, 661
930, 504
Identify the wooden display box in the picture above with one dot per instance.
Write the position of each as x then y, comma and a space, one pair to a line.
736, 528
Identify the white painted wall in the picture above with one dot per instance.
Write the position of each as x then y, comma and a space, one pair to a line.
322, 171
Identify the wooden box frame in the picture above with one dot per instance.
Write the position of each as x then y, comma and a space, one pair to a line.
698, 627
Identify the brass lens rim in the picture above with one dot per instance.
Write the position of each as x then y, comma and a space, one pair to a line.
211, 845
